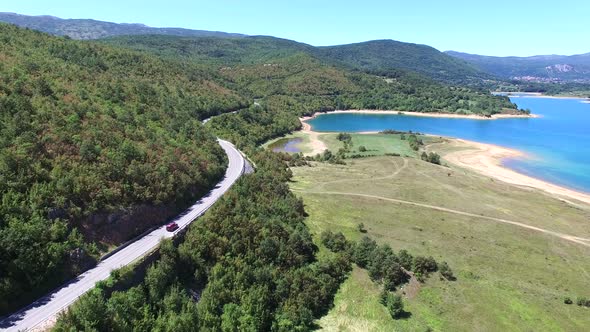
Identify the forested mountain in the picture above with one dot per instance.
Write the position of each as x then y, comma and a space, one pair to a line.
379, 57
265, 66
539, 68
96, 144
93, 29
383, 57
218, 51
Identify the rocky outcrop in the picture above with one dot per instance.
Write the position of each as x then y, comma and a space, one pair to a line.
119, 226
560, 68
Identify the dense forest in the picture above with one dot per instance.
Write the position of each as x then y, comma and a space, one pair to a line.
250, 263
87, 130
262, 67
357, 71
383, 57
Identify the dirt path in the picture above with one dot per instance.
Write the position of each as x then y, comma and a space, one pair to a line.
390, 176
412, 288
579, 240
317, 145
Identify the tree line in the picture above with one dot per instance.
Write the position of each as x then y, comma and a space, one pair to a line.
384, 266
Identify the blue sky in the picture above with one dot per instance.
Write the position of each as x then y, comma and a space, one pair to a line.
496, 27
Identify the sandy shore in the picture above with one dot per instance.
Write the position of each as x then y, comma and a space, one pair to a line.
317, 145
432, 114
487, 160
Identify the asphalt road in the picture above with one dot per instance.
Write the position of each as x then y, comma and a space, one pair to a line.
44, 310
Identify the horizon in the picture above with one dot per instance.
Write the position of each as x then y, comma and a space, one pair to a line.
455, 26
280, 37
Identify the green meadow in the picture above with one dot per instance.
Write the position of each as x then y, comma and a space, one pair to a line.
509, 277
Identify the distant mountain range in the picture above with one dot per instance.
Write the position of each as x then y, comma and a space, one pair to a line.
381, 57
92, 29
535, 68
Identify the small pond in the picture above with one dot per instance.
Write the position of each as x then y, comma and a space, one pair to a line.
290, 145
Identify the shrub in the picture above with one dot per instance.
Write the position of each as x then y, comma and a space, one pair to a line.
445, 271
431, 157
414, 142
363, 251
583, 302
336, 242
393, 303
344, 137
423, 266
405, 259
361, 228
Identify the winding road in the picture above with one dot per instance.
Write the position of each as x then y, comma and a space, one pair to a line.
43, 312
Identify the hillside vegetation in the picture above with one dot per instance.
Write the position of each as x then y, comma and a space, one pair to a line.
87, 130
309, 81
379, 56
386, 57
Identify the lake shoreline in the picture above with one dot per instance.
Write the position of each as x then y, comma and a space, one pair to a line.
317, 145
487, 159
483, 158
428, 114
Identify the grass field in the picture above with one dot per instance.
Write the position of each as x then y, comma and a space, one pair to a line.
510, 278
376, 144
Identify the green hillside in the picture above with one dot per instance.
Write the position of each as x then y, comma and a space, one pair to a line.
384, 57
248, 50
89, 133
267, 66
381, 57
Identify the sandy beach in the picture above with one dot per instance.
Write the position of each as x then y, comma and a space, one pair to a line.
317, 145
432, 114
487, 160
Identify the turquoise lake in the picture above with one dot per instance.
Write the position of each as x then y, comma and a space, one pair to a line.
557, 144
